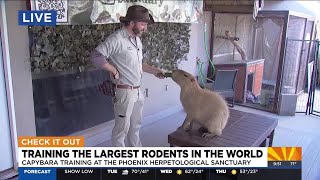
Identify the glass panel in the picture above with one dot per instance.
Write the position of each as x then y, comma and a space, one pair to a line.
69, 102
316, 100
310, 25
301, 85
244, 30
293, 55
66, 99
267, 45
240, 26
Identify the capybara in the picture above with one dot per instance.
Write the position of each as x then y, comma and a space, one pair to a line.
204, 106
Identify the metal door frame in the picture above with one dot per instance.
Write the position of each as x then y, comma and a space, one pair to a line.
314, 80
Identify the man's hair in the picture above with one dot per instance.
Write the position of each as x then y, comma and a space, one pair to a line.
127, 23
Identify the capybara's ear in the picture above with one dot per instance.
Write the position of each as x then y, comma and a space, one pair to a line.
193, 79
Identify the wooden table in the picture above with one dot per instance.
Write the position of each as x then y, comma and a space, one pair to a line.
243, 130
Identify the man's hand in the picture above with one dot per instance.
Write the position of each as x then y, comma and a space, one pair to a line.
111, 69
116, 74
152, 70
159, 74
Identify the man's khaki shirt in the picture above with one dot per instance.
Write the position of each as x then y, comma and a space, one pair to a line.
125, 53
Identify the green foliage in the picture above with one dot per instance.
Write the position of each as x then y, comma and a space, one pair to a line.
166, 44
65, 48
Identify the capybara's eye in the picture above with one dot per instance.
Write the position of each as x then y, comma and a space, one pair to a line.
185, 75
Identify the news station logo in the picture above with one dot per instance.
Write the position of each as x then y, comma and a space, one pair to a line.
37, 18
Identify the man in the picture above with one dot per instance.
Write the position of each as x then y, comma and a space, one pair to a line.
123, 49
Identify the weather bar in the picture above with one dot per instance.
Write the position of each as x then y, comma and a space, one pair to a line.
183, 174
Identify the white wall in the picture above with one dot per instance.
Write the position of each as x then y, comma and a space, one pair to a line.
17, 75
17, 56
5, 138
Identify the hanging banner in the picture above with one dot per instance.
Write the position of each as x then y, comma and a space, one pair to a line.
71, 12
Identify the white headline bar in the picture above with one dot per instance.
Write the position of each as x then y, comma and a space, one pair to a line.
144, 157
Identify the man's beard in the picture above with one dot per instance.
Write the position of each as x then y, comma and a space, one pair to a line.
136, 31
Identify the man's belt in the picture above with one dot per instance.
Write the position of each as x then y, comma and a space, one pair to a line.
123, 86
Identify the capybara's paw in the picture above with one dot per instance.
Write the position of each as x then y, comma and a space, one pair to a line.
208, 135
187, 128
203, 130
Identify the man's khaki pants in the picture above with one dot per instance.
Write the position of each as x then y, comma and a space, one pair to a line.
128, 105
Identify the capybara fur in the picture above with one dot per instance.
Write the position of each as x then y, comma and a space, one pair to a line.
203, 106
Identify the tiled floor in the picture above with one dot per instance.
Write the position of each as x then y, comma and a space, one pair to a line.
9, 174
299, 130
